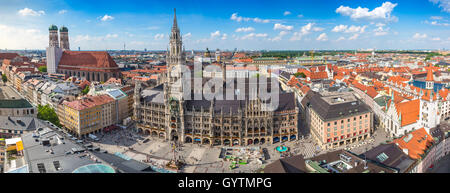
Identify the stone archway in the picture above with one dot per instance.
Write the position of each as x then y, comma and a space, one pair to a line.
197, 140
235, 142
256, 142
162, 135
188, 140
249, 142
140, 130
226, 142
262, 141
154, 134
147, 132
293, 137
174, 135
206, 141
217, 142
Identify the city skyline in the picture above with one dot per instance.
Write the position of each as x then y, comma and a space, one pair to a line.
287, 25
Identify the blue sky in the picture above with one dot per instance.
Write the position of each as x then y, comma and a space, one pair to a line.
228, 24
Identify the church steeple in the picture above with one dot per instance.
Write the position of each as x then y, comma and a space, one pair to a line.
175, 25
175, 54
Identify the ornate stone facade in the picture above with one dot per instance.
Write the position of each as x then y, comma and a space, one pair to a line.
162, 112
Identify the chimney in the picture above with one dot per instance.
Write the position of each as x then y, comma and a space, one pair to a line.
406, 151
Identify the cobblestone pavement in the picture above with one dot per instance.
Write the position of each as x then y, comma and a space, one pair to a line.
205, 159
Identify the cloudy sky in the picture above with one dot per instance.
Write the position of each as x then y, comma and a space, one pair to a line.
228, 24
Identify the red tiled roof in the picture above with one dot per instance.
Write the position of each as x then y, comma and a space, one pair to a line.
408, 111
415, 142
89, 102
371, 92
114, 80
88, 61
8, 56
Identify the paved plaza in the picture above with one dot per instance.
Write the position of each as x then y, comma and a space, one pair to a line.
205, 159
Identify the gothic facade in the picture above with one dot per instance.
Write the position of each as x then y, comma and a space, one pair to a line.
162, 112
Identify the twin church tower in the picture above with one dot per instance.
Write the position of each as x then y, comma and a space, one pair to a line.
56, 46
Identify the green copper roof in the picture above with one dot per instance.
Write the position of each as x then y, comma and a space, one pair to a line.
63, 29
14, 103
53, 27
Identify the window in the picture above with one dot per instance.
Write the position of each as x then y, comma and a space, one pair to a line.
328, 124
382, 157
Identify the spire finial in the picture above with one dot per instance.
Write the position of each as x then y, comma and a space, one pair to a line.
175, 18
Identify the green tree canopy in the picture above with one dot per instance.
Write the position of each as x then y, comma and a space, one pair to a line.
300, 74
4, 78
42, 68
85, 90
48, 113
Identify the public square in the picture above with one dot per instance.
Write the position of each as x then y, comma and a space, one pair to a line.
205, 159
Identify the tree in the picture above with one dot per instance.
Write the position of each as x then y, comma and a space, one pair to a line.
4, 78
85, 90
48, 113
42, 68
300, 74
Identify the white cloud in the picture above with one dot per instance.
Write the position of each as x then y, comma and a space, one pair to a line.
109, 36
305, 30
252, 35
153, 28
279, 36
215, 34
444, 4
159, 36
340, 38
351, 29
237, 18
29, 12
322, 37
436, 23
286, 13
382, 12
436, 39
353, 37
420, 36
62, 11
187, 36
107, 18
13, 38
381, 31
224, 37
436, 17
245, 29
279, 26
300, 16
87, 38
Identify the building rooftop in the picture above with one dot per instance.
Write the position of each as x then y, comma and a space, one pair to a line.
88, 61
415, 143
391, 156
294, 164
89, 102
334, 105
20, 123
341, 161
48, 151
